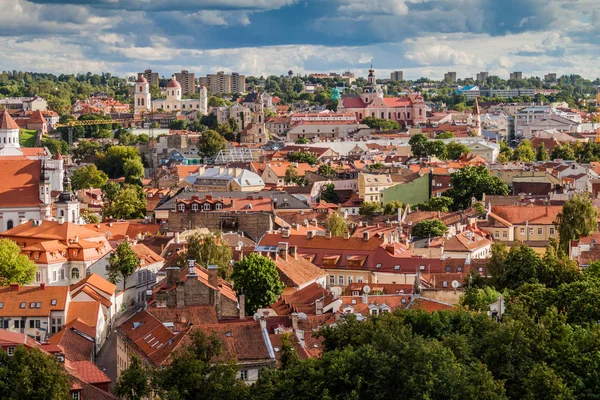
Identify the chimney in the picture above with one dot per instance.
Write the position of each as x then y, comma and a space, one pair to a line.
366, 236
346, 235
315, 222
242, 306
328, 234
282, 250
294, 251
177, 241
14, 287
305, 223
310, 234
172, 276
61, 220
390, 249
294, 321
213, 275
319, 307
209, 197
42, 286
125, 239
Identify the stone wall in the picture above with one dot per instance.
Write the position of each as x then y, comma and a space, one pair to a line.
254, 224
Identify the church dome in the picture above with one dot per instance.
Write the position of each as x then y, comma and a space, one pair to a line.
173, 83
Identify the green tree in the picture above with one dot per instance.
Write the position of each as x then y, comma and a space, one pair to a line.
85, 148
429, 228
437, 148
302, 157
524, 152
143, 138
210, 249
32, 374
122, 263
110, 190
178, 124
329, 194
418, 145
392, 207
442, 204
134, 171
257, 278
88, 176
473, 182
112, 161
445, 135
521, 266
14, 266
370, 208
291, 175
302, 141
506, 153
336, 224
128, 203
542, 383
201, 370
556, 267
56, 146
564, 152
477, 299
381, 124
326, 171
542, 153
211, 142
127, 138
133, 383
456, 150
577, 218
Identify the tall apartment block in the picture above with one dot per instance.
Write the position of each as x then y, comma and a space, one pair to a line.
224, 83
151, 77
516, 75
482, 76
550, 77
238, 83
450, 76
187, 81
397, 76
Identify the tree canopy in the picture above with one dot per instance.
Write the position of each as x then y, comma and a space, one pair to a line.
577, 218
209, 249
336, 224
88, 176
122, 263
257, 278
429, 228
473, 182
14, 266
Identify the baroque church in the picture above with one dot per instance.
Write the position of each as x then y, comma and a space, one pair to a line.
143, 102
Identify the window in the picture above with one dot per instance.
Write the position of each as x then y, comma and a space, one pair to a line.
445, 284
53, 302
422, 268
359, 279
552, 231
539, 231
38, 305
355, 293
522, 231
448, 268
23, 305
31, 324
56, 325
331, 279
497, 234
206, 206
244, 374
340, 280
530, 231
194, 207
38, 276
10, 224
32, 304
350, 280
75, 395
62, 273
17, 323
396, 267
74, 273
504, 234
10, 351
181, 207
218, 206
54, 276
1, 305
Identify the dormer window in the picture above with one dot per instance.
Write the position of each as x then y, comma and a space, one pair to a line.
206, 206
181, 207
218, 206
194, 207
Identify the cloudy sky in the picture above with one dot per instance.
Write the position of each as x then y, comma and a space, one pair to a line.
261, 37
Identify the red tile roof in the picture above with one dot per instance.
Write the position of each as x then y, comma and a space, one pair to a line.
18, 302
20, 182
75, 346
85, 311
295, 272
88, 372
6, 121
97, 282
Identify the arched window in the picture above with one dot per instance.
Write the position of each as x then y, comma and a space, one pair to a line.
62, 213
194, 207
10, 224
74, 273
141, 89
206, 206
181, 207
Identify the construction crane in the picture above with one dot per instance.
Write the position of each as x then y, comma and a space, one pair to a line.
71, 124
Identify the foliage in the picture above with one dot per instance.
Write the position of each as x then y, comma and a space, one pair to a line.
442, 204
524, 152
291, 175
445, 135
429, 228
328, 193
113, 160
211, 143
14, 266
133, 382
376, 166
257, 278
456, 150
336, 224
302, 141
178, 124
542, 153
128, 202
326, 171
88, 217
418, 145
55, 146
473, 182
193, 372
381, 124
85, 148
122, 263
370, 208
209, 249
577, 218
302, 157
520, 266
133, 171
563, 152
437, 148
392, 207
32, 374
477, 299
88, 176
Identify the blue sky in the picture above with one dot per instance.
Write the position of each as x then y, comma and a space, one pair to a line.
260, 37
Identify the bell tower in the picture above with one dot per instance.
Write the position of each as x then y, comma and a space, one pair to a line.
142, 97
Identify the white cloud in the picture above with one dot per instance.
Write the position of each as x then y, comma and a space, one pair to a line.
442, 54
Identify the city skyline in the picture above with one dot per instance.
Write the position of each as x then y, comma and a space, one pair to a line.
423, 38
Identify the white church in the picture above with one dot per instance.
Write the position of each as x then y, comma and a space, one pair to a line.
143, 102
33, 184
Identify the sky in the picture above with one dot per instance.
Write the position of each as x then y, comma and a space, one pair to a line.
269, 37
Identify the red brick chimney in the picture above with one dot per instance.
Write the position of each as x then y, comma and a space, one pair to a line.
42, 286
14, 287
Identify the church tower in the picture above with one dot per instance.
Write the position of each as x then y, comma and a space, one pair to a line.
45, 196
9, 135
142, 98
67, 206
477, 118
372, 90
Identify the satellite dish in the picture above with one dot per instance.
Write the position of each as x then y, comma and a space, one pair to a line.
302, 316
366, 289
256, 316
455, 284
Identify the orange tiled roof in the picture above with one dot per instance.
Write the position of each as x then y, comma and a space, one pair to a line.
20, 181
32, 301
86, 311
146, 255
96, 281
75, 346
6, 121
88, 372
297, 271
